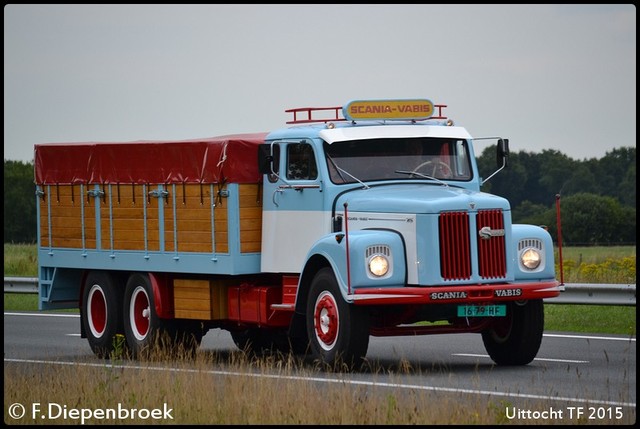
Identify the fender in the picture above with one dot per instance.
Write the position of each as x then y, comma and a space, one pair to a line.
162, 294
333, 248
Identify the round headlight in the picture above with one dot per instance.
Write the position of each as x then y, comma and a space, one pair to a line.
379, 265
531, 259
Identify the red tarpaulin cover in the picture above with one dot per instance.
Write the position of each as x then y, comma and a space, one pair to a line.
230, 158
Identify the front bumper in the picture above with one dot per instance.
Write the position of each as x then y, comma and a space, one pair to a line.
456, 294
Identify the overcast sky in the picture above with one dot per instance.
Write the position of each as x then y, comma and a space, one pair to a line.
559, 77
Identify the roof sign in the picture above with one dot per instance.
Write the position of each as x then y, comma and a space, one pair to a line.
398, 110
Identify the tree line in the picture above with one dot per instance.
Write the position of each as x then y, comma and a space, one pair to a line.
596, 198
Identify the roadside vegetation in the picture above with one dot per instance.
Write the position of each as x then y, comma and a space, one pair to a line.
234, 388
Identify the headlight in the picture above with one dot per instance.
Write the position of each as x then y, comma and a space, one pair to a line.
531, 258
379, 265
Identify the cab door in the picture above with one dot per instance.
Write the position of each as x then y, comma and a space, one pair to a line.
293, 214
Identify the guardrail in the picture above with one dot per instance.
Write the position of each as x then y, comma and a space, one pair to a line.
574, 293
20, 285
596, 294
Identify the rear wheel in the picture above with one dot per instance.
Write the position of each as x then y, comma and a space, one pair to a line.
516, 339
146, 333
338, 331
102, 314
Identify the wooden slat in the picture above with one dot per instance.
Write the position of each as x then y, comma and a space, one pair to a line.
193, 304
192, 299
193, 314
66, 205
250, 201
126, 214
200, 299
193, 212
128, 218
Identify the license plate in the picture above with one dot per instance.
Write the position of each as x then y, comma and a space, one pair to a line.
482, 310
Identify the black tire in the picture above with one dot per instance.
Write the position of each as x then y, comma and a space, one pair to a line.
102, 314
149, 336
516, 340
338, 331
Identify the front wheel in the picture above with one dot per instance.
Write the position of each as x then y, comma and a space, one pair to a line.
338, 331
516, 339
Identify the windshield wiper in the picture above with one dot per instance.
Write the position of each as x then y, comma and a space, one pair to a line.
424, 176
340, 171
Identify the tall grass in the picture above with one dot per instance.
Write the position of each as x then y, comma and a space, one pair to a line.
237, 389
615, 265
20, 260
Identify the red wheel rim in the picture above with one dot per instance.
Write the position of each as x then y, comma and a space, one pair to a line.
139, 313
97, 309
326, 320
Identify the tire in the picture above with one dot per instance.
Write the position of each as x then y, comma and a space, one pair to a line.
149, 336
517, 339
102, 314
338, 331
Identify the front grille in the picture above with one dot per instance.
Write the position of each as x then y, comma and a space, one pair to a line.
455, 257
455, 245
491, 252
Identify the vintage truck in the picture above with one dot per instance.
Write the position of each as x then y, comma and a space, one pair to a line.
353, 221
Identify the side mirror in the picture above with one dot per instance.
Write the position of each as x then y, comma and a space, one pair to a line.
502, 155
268, 162
502, 152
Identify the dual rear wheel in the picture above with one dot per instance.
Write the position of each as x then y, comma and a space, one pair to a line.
121, 323
101, 313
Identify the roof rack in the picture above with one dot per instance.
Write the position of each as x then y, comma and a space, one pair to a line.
309, 111
439, 107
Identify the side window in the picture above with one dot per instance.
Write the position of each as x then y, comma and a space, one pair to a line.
301, 162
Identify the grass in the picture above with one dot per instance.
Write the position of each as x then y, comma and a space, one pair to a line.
613, 265
268, 391
20, 260
594, 319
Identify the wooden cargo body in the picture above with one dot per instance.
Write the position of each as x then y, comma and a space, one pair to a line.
182, 201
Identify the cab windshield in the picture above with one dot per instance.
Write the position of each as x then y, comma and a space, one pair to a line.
401, 159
